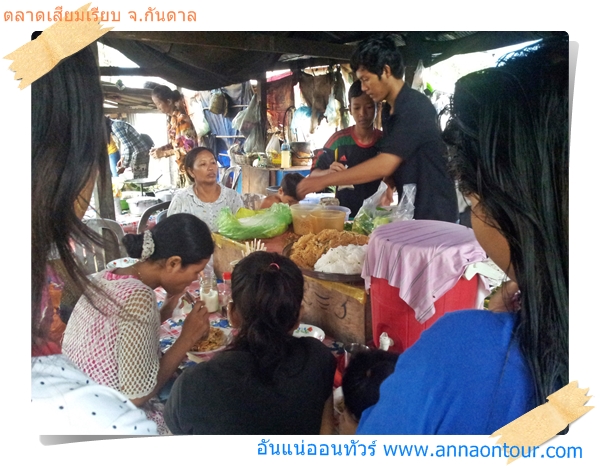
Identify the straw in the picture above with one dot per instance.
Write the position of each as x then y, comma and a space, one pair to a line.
335, 159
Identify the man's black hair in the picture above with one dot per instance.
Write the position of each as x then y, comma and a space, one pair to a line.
376, 52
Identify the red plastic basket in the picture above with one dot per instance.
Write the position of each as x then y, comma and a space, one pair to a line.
391, 314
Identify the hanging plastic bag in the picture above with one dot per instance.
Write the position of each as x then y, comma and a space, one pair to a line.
236, 123
418, 81
255, 142
332, 112
268, 223
372, 214
248, 119
200, 122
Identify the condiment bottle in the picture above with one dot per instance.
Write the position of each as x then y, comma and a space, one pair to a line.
225, 293
286, 158
209, 293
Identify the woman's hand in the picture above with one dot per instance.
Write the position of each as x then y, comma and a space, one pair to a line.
196, 325
169, 304
158, 152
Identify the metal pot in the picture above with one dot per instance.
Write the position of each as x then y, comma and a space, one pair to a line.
164, 195
137, 205
301, 149
301, 154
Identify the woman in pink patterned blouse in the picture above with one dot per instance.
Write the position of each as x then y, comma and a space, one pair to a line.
180, 129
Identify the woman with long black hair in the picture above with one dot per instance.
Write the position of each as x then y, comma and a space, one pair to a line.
69, 152
475, 371
268, 381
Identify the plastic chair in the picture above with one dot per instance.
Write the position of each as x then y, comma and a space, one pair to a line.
94, 258
143, 223
161, 216
231, 176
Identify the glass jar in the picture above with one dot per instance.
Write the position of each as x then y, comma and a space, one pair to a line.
209, 293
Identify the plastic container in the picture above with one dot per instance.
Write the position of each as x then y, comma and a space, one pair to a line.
325, 219
272, 190
392, 315
301, 217
329, 201
340, 208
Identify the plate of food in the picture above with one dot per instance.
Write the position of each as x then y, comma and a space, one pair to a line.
217, 340
307, 251
305, 330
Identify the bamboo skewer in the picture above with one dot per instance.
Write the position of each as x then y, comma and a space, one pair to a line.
255, 245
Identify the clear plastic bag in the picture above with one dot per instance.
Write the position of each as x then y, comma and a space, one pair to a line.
332, 112
274, 144
255, 141
268, 223
200, 122
372, 214
247, 120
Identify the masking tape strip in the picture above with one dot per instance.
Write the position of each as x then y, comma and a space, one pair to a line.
61, 40
542, 423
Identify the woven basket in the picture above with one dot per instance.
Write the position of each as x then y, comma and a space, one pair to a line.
246, 159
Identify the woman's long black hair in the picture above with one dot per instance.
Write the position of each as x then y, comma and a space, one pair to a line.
69, 148
509, 137
267, 290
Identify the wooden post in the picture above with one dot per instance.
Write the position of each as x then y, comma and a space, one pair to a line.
262, 98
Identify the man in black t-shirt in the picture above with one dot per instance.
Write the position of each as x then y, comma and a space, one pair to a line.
412, 149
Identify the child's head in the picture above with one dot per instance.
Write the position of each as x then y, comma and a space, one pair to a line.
361, 106
287, 190
182, 243
267, 290
360, 384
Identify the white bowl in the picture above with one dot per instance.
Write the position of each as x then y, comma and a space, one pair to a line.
305, 330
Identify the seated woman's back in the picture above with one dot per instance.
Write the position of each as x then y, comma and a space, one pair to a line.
267, 382
224, 395
113, 332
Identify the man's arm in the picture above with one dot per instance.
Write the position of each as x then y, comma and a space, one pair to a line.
334, 167
119, 129
377, 168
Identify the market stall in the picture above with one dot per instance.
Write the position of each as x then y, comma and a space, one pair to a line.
341, 309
